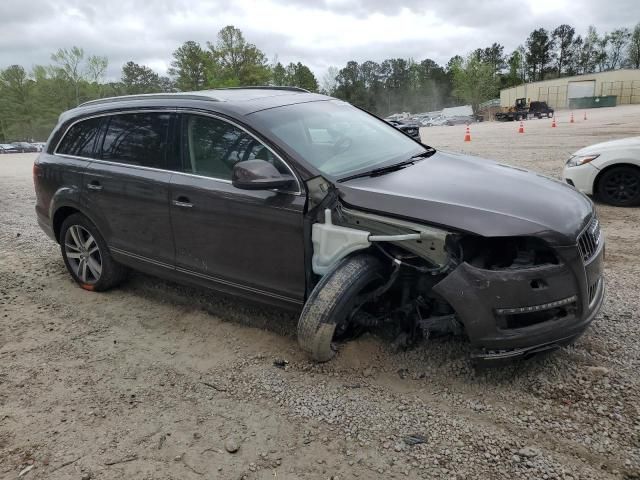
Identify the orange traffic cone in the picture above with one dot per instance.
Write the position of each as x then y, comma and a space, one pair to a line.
467, 135
585, 116
572, 120
521, 129
553, 123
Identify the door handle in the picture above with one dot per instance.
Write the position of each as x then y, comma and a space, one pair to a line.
94, 185
183, 202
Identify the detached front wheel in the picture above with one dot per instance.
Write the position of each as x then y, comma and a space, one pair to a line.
327, 317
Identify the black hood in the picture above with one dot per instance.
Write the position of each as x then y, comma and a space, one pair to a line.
474, 195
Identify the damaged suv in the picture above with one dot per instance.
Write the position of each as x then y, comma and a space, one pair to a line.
304, 201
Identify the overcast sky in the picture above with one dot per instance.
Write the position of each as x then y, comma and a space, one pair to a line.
318, 33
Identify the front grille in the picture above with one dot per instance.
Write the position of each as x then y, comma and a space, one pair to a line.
593, 289
589, 240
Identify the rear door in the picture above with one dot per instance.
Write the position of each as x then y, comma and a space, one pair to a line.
245, 242
128, 186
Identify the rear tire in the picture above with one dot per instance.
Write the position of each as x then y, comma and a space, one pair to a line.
326, 313
620, 186
86, 255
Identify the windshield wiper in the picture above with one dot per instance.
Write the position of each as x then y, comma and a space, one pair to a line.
427, 153
391, 168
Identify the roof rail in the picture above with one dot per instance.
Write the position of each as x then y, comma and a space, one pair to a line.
266, 87
188, 95
143, 96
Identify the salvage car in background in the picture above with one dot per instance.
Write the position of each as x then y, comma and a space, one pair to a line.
608, 170
25, 147
304, 201
7, 148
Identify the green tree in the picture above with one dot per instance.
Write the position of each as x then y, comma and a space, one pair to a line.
278, 75
494, 56
189, 66
563, 38
139, 79
516, 69
16, 104
299, 75
538, 53
474, 81
235, 61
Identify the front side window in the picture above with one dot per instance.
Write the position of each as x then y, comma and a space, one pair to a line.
337, 138
213, 146
137, 139
81, 138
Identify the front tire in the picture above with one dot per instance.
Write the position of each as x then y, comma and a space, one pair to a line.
326, 314
86, 255
620, 186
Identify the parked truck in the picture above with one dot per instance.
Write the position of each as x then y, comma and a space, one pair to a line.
523, 111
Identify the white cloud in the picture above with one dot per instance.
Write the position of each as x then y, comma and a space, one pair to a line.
319, 33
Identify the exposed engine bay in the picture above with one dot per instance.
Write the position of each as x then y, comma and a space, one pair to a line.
501, 292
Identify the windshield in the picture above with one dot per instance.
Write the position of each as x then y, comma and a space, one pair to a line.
337, 138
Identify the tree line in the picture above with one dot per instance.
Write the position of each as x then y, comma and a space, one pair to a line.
31, 100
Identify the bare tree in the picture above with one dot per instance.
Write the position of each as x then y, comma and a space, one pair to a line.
70, 65
96, 68
634, 47
618, 40
329, 82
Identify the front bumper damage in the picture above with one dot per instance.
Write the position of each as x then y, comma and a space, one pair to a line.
518, 313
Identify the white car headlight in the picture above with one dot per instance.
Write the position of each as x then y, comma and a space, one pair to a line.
578, 160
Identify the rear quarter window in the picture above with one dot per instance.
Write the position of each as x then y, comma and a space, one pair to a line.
80, 139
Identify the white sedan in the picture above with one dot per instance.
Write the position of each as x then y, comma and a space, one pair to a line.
609, 171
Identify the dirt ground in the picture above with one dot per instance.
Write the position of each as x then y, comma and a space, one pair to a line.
155, 380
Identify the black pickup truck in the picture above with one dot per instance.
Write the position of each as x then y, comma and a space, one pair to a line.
540, 109
523, 111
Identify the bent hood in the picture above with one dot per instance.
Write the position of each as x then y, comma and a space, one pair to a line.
474, 195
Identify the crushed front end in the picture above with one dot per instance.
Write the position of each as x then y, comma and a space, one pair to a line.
520, 297
511, 296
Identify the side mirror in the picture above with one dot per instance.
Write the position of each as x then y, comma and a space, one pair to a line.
258, 175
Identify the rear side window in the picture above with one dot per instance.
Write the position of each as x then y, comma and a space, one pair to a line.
137, 139
81, 138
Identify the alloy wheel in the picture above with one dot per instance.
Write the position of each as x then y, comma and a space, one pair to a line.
83, 254
622, 186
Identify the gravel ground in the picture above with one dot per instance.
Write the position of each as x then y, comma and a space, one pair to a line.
156, 380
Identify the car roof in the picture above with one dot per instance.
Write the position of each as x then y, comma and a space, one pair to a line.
238, 101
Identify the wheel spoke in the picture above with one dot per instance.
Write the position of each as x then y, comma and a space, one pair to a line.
94, 250
95, 267
74, 255
82, 270
75, 235
72, 247
90, 241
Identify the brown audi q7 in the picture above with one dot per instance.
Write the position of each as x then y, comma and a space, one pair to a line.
304, 201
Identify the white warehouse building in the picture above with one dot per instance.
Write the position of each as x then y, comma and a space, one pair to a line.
623, 84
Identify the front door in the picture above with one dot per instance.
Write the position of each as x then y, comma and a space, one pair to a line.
241, 241
128, 187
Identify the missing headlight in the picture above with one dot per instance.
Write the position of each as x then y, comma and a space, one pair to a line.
505, 253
